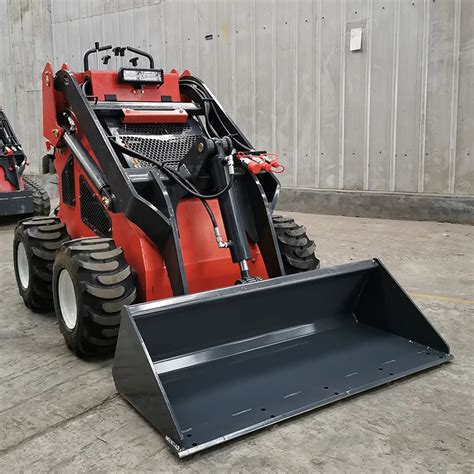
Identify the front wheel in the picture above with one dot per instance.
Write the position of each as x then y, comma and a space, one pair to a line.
35, 243
296, 249
91, 283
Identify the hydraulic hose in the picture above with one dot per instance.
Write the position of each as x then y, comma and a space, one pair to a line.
206, 99
180, 180
189, 187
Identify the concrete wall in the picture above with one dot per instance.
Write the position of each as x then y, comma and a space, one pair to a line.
396, 116
25, 45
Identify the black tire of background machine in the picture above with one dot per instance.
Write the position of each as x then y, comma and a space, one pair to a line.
41, 202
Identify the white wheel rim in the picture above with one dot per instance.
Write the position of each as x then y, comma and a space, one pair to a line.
22, 265
67, 299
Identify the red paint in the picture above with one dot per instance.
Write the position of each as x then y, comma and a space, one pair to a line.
53, 103
5, 186
206, 266
102, 83
154, 116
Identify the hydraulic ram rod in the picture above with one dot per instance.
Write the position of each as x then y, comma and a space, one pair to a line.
88, 164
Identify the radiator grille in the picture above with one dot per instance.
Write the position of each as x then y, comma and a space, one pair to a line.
93, 213
68, 190
168, 151
156, 128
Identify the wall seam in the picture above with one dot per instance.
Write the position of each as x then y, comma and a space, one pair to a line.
254, 75
163, 29
198, 38
147, 39
368, 72
215, 46
342, 94
395, 66
180, 10
424, 96
23, 73
294, 165
317, 104
454, 97
273, 75
232, 29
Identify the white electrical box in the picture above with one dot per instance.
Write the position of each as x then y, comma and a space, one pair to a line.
356, 39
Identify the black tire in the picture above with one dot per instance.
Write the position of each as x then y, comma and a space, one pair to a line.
103, 283
47, 166
40, 237
41, 202
297, 250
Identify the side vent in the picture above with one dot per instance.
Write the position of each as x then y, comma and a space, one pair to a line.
68, 190
93, 213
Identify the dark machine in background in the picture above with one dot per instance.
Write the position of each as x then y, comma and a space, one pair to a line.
166, 246
19, 194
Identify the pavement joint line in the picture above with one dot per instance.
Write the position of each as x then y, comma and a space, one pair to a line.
449, 299
59, 424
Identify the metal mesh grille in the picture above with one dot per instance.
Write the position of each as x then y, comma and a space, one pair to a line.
156, 128
167, 151
93, 213
67, 183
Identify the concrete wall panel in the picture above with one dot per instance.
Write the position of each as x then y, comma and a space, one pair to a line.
331, 94
464, 156
439, 95
395, 116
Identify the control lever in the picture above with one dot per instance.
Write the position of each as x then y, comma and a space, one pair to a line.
96, 49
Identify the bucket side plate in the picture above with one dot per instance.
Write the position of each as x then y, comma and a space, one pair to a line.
224, 363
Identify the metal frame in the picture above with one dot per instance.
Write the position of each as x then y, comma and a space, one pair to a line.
14, 165
158, 219
159, 224
16, 202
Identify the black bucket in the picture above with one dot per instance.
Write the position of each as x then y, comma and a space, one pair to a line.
209, 367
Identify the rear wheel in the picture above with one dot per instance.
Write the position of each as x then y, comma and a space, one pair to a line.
297, 250
41, 202
47, 165
91, 283
35, 243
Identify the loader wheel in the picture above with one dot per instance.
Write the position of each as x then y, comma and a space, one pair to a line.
47, 164
91, 283
41, 203
35, 243
297, 250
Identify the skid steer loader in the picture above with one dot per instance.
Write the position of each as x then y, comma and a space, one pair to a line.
19, 194
166, 246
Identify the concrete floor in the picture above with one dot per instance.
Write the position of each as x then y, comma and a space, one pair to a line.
58, 413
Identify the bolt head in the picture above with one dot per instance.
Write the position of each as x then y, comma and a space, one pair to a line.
106, 201
200, 147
